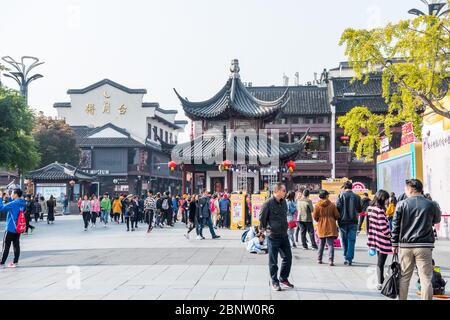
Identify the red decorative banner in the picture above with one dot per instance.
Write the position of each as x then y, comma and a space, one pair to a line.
407, 139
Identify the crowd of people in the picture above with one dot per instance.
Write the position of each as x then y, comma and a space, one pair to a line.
401, 226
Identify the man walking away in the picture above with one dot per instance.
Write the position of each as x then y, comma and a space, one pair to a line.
13, 209
349, 206
305, 209
365, 201
205, 210
65, 205
37, 209
224, 206
159, 211
412, 235
29, 208
273, 220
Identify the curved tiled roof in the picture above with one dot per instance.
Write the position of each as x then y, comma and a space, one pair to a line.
57, 171
206, 148
83, 134
304, 100
234, 98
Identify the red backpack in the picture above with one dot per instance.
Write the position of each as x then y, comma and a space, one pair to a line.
21, 225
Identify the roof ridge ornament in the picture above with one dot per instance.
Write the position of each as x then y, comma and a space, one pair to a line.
235, 69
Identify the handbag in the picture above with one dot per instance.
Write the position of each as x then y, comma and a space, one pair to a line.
391, 287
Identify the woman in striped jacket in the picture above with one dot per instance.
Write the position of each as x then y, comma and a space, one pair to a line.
379, 234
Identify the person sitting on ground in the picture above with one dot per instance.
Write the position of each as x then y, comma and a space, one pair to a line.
256, 245
437, 282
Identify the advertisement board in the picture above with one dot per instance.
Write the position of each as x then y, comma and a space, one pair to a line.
436, 163
237, 211
257, 203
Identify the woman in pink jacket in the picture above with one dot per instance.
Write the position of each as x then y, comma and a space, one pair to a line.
95, 205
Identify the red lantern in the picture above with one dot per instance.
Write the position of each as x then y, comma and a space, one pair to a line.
345, 138
226, 164
291, 166
172, 165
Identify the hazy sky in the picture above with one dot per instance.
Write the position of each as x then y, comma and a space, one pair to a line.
186, 44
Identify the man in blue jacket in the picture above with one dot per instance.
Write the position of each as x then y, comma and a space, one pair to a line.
11, 236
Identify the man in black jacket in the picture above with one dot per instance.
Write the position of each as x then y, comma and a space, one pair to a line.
273, 220
349, 206
205, 215
365, 201
412, 232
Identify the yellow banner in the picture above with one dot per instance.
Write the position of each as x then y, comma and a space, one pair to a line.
257, 203
237, 211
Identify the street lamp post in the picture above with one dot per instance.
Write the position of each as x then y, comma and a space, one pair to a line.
434, 9
22, 76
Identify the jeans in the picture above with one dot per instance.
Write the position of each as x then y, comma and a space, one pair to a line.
348, 238
208, 222
307, 227
330, 242
422, 258
14, 238
64, 210
279, 245
290, 233
105, 215
390, 222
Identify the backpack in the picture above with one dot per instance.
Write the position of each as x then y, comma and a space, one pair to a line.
165, 204
21, 225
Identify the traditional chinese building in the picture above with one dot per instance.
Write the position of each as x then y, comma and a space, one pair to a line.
115, 131
230, 127
293, 111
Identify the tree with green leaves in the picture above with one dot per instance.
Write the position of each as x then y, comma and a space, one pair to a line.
18, 150
56, 141
413, 57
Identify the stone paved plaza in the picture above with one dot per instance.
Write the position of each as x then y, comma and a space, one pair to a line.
114, 264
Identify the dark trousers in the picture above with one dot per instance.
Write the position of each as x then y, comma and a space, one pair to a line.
207, 222
330, 242
306, 227
282, 246
380, 266
94, 217
8, 238
133, 221
361, 221
36, 217
116, 217
86, 219
28, 220
121, 217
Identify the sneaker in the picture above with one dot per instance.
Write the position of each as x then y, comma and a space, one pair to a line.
319, 261
346, 262
305, 248
379, 286
85, 229
132, 229
186, 235
128, 229
331, 264
315, 248
286, 284
276, 287
294, 245
216, 237
200, 238
12, 265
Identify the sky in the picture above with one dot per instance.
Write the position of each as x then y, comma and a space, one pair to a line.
184, 44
